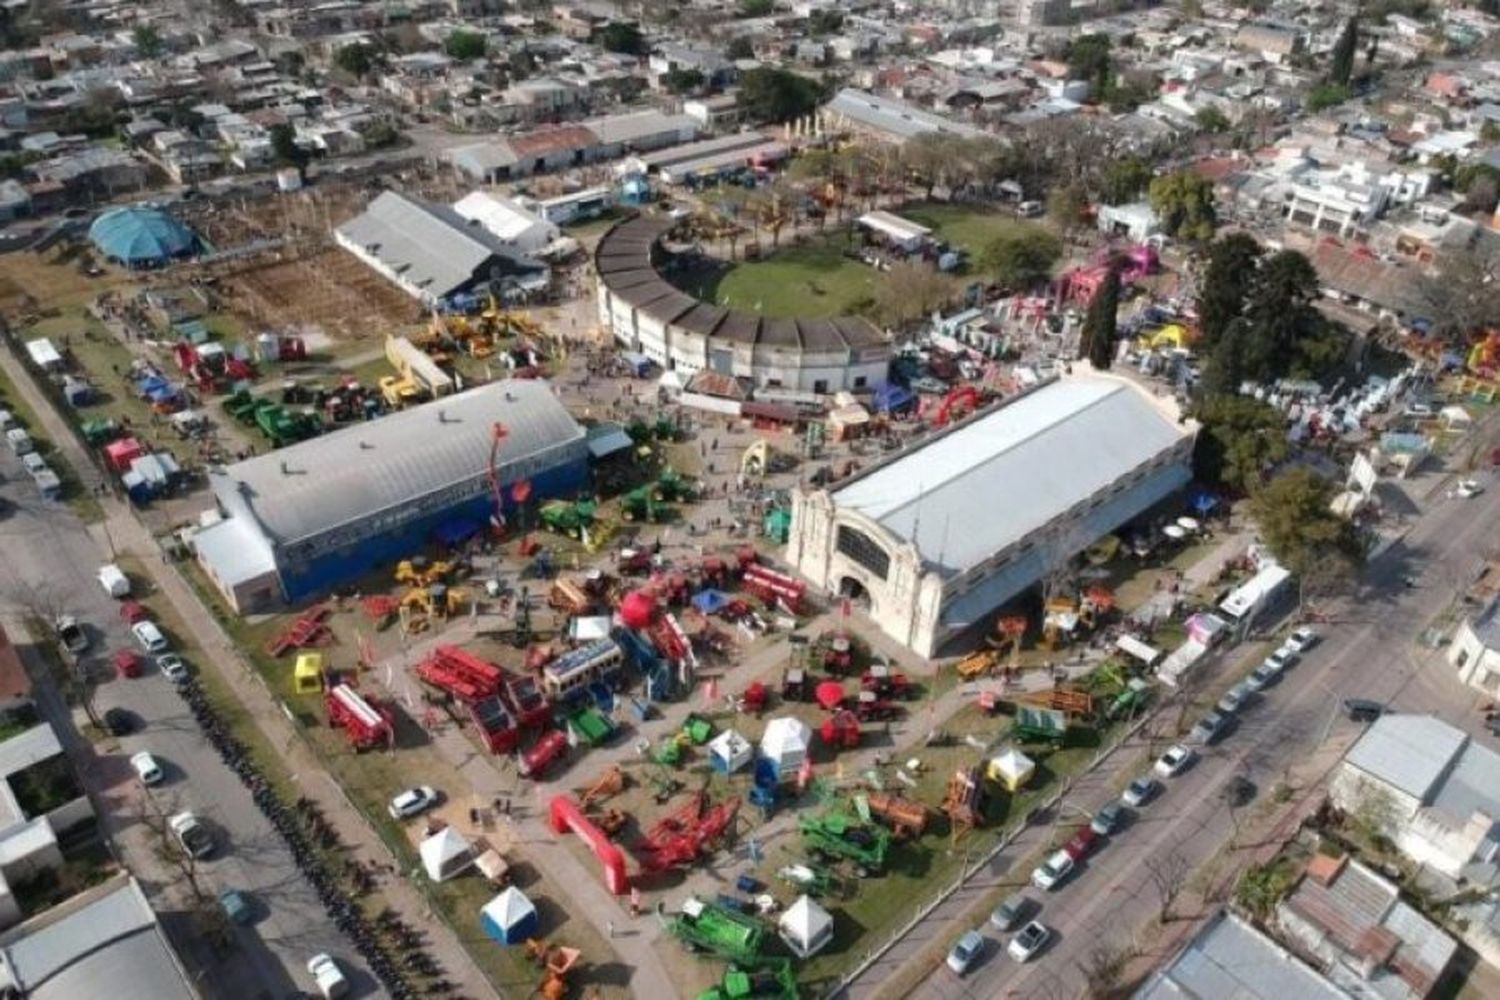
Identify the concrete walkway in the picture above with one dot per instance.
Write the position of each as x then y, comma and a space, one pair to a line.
122, 533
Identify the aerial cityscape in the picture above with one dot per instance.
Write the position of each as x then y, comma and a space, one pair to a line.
750, 499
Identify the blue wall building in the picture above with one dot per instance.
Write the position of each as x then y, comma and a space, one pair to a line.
304, 520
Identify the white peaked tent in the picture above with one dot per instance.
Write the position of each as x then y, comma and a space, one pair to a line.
1013, 768
510, 917
805, 927
729, 751
446, 854
785, 744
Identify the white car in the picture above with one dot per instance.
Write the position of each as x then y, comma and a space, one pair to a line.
1054, 871
1283, 657
191, 834
172, 668
146, 768
149, 637
1174, 761
1301, 640
1466, 489
412, 802
328, 977
1235, 698
1028, 941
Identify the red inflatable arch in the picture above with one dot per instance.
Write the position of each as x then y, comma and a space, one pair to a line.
565, 816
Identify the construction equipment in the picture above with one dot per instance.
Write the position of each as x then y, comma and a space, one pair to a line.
556, 962
417, 368
365, 725
399, 393
707, 927
839, 836
907, 818
436, 601
681, 838
420, 573
611, 783
498, 434
964, 800
976, 664
771, 977
1059, 618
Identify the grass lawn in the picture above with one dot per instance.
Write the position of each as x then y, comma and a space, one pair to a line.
967, 226
809, 282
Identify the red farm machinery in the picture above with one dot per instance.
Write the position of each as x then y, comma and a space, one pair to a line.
501, 705
682, 837
774, 588
365, 725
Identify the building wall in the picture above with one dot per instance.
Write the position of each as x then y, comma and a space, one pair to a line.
1478, 665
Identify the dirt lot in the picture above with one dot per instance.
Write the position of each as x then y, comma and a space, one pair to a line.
327, 289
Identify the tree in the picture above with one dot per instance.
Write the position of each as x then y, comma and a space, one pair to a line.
622, 37
287, 152
1099, 335
41, 605
1463, 297
1341, 66
147, 40
1068, 206
682, 81
1240, 440
1226, 282
739, 48
357, 59
1211, 119
754, 8
1261, 887
380, 134
1168, 872
1088, 59
1021, 258
1295, 520
465, 46
1124, 180
153, 816
1184, 202
1103, 968
769, 94
1283, 331
1325, 95
824, 22
909, 291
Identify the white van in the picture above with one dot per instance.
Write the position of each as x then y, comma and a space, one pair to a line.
19, 441
114, 581
8, 420
149, 636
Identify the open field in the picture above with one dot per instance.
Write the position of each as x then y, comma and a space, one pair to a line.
967, 226
809, 282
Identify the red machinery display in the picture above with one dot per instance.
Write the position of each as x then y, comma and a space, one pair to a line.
461, 674
535, 759
959, 402
501, 704
773, 587
211, 369
670, 640
564, 815
680, 838
498, 434
311, 629
887, 683
497, 727
363, 724
840, 730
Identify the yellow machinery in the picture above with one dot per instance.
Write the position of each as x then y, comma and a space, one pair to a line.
400, 392
1059, 619
555, 961
435, 601
598, 534
757, 459
977, 664
415, 365
409, 573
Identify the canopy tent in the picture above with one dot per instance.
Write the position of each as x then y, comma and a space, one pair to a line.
590, 628
785, 745
729, 752
307, 675
829, 694
637, 609
446, 854
806, 927
509, 918
710, 601
1012, 768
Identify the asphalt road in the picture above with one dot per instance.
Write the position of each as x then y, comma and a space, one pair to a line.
1369, 652
47, 551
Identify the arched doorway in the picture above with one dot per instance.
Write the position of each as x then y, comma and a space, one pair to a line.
855, 591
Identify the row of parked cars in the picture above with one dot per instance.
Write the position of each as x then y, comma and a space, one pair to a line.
1059, 866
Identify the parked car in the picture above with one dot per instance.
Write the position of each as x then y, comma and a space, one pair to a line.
1235, 698
191, 834
172, 668
328, 977
236, 906
1140, 791
413, 802
149, 637
114, 581
1174, 761
1263, 677
1082, 843
1010, 912
1054, 871
33, 463
1363, 709
1283, 657
1302, 639
1466, 489
1028, 941
71, 634
147, 768
1209, 728
966, 952
1108, 819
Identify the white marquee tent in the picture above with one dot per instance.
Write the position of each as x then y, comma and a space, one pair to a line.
805, 927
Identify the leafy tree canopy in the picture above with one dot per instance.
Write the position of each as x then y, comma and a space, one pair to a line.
622, 37
465, 46
1241, 439
1295, 520
769, 94
1184, 202
1021, 258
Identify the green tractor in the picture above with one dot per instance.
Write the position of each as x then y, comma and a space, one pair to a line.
98, 432
837, 836
241, 406
666, 429
640, 505
771, 978
674, 488
284, 426
571, 519
705, 927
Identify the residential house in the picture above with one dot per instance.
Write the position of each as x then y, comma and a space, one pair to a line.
1273, 43
1228, 958
1475, 650
44, 812
671, 57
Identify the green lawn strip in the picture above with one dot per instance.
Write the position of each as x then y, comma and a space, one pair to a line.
810, 281
966, 226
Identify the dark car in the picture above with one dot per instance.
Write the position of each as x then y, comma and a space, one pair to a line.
1108, 819
120, 722
1363, 710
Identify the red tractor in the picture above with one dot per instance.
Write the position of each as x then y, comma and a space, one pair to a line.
886, 683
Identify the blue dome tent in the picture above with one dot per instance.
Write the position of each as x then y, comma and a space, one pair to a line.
141, 236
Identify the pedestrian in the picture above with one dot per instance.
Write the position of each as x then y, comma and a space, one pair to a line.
610, 927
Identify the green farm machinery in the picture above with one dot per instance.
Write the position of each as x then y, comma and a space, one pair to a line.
673, 487
709, 928
241, 406
565, 518
283, 426
98, 432
771, 978
593, 726
640, 504
838, 836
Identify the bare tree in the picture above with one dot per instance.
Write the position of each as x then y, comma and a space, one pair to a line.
1103, 967
42, 604
153, 815
1169, 874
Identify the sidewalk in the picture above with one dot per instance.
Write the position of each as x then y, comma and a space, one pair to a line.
121, 532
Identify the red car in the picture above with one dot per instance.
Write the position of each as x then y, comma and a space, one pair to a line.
1082, 844
128, 663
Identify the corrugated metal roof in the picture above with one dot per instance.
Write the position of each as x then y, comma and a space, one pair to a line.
430, 246
896, 118
1408, 752
306, 489
989, 483
503, 218
637, 125
1230, 960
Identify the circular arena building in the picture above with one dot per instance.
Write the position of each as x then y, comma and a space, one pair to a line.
648, 314
141, 236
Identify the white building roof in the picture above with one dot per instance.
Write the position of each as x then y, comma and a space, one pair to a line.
1230, 959
895, 118
988, 484
1410, 753
503, 218
894, 226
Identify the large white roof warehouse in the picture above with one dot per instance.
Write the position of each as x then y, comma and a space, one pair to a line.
939, 537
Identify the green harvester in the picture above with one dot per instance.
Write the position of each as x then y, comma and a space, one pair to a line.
837, 836
570, 519
771, 978
673, 488
707, 928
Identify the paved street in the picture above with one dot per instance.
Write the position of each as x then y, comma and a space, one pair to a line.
1294, 734
47, 550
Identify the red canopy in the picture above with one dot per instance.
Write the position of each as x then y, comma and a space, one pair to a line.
637, 610
829, 694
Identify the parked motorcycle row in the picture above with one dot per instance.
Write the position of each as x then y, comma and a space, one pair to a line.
392, 948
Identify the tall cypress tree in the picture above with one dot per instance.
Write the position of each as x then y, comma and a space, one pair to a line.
1342, 66
1099, 334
